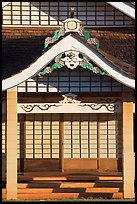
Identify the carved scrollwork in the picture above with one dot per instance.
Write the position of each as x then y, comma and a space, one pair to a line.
109, 106
30, 107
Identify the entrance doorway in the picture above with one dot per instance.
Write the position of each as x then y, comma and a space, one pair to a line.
64, 142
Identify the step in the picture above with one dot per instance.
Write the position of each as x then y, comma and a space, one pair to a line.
32, 196
110, 178
70, 184
68, 190
102, 190
66, 178
82, 178
59, 184
41, 194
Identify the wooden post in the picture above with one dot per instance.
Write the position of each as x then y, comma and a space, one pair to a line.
61, 142
128, 154
12, 144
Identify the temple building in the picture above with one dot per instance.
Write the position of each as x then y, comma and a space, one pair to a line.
68, 99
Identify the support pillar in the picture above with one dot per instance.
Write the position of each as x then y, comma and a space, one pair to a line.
11, 144
128, 154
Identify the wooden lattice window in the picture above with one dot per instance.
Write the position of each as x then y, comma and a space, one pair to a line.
66, 80
53, 13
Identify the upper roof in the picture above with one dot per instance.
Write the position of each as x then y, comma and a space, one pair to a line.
30, 14
126, 7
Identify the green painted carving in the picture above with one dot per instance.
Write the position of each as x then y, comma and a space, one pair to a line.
96, 70
102, 72
42, 73
56, 35
49, 40
56, 65
86, 35
49, 69
61, 32
59, 63
87, 65
97, 45
90, 40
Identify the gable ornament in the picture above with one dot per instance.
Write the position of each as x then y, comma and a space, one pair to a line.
70, 98
71, 25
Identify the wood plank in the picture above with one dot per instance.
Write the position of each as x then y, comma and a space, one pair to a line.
102, 190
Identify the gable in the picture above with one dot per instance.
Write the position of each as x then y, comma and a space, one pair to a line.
70, 42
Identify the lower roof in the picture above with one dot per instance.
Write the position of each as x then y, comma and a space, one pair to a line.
71, 42
22, 46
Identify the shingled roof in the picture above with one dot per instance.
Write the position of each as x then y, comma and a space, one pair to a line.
22, 46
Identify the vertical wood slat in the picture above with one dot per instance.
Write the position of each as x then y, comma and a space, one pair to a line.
11, 14
22, 142
49, 15
21, 13
98, 140
42, 136
116, 133
88, 135
71, 136
51, 135
39, 13
107, 137
80, 135
34, 136
30, 13
61, 142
